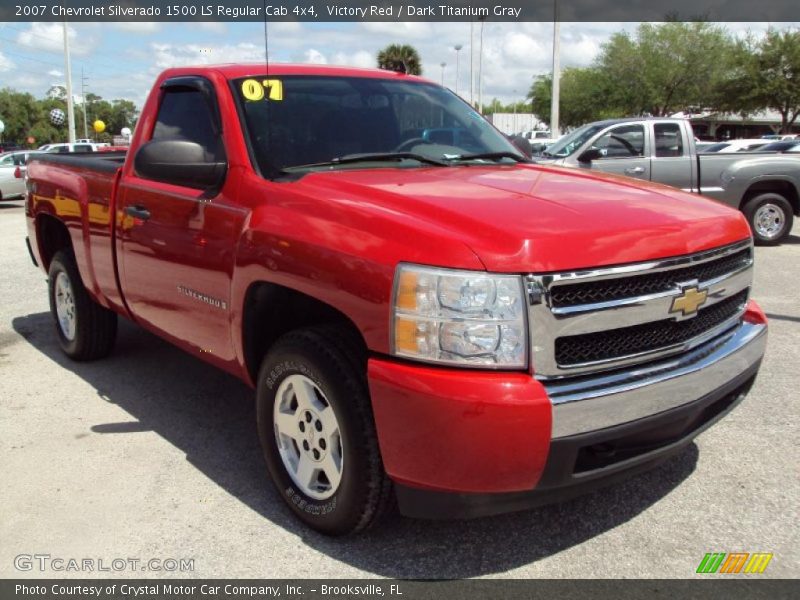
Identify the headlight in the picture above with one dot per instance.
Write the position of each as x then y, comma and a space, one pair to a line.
468, 318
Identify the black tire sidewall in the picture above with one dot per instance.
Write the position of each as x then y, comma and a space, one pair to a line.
341, 512
64, 263
757, 202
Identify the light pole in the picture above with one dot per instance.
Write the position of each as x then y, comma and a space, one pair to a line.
70, 107
457, 48
443, 65
471, 72
85, 109
480, 68
554, 101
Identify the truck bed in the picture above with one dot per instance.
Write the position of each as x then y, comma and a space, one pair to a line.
78, 188
96, 161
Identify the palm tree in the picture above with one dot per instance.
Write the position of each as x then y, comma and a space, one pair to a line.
394, 55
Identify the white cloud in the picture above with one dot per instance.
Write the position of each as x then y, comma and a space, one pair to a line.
50, 38
55, 73
212, 26
6, 63
360, 58
141, 27
315, 57
402, 32
169, 55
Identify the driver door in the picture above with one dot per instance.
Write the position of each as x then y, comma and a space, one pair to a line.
624, 151
178, 242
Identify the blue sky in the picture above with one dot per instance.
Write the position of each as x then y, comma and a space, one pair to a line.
121, 60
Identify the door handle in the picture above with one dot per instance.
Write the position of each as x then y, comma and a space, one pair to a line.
137, 211
634, 170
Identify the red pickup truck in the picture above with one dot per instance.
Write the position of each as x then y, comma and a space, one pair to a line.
424, 314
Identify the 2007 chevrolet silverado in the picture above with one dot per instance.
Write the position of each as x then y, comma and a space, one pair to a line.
424, 314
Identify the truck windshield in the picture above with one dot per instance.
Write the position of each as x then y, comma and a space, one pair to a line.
304, 123
571, 142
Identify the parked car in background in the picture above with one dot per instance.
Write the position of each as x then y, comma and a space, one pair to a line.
781, 146
66, 147
702, 146
9, 147
12, 170
763, 186
780, 136
729, 146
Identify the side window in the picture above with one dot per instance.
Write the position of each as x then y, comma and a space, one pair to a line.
625, 141
6, 161
185, 115
668, 139
83, 148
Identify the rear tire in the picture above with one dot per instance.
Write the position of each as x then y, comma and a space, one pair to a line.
770, 218
86, 331
317, 430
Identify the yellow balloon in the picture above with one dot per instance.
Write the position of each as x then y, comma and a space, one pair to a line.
99, 126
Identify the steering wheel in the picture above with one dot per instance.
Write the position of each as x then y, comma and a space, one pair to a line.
628, 146
410, 143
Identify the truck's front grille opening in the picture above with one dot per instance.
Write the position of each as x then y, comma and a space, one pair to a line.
615, 450
640, 285
627, 341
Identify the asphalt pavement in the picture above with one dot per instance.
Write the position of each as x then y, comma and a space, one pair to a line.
152, 454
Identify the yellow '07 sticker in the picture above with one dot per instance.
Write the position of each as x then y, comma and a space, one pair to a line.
253, 89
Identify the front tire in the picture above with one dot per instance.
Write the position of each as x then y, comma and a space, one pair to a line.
317, 431
770, 218
86, 331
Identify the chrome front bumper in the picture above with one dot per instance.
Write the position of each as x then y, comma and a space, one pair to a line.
603, 400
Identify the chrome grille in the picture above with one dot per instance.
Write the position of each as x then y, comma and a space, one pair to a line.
608, 345
603, 291
608, 318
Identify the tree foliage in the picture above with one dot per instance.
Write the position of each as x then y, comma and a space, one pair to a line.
766, 75
583, 93
25, 116
394, 54
662, 69
666, 67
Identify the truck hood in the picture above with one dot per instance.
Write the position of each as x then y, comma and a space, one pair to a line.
537, 218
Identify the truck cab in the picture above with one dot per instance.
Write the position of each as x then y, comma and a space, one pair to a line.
662, 150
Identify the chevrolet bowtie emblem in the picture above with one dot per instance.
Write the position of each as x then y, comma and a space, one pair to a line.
688, 302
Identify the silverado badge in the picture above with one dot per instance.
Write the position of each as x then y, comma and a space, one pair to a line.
689, 301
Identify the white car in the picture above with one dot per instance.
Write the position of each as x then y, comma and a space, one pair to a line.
729, 146
780, 137
12, 186
76, 147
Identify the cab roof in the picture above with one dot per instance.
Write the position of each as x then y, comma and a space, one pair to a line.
237, 70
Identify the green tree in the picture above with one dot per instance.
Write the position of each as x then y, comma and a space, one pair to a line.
582, 97
766, 75
18, 111
395, 54
666, 67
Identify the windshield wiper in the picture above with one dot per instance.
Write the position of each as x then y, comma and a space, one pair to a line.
373, 156
487, 156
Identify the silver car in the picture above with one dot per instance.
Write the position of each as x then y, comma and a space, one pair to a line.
12, 186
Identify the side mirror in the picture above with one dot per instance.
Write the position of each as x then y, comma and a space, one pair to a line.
179, 162
521, 144
590, 155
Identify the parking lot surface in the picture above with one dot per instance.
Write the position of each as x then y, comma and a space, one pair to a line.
151, 454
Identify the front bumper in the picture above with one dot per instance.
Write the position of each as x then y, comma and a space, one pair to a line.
467, 443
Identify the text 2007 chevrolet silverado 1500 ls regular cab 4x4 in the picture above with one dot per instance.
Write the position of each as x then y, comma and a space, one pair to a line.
423, 313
